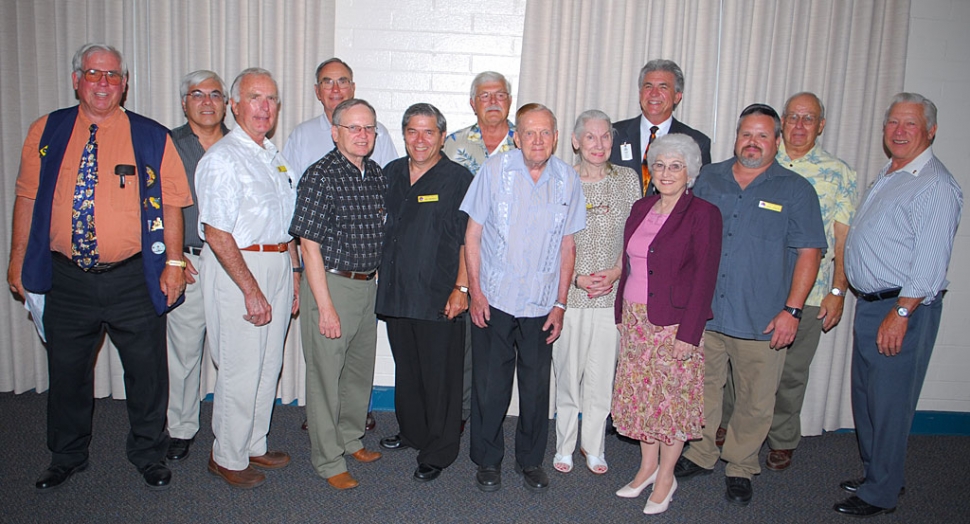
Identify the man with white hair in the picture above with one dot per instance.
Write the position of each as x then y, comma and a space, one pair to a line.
249, 271
105, 251
896, 258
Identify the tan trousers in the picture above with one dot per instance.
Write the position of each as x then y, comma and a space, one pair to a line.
756, 370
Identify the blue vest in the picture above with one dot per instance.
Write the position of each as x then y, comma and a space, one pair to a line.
148, 138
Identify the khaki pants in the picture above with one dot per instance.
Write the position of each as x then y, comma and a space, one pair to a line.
756, 370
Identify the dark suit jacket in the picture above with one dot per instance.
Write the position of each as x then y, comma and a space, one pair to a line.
682, 265
628, 131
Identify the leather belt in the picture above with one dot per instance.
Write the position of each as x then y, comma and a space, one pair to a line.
192, 250
267, 248
353, 275
100, 267
878, 295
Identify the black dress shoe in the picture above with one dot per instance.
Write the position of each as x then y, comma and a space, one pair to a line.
534, 478
489, 478
852, 486
370, 423
738, 490
426, 473
856, 507
462, 430
685, 469
305, 425
157, 476
393, 442
178, 449
56, 475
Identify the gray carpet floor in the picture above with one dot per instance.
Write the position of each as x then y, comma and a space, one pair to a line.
938, 475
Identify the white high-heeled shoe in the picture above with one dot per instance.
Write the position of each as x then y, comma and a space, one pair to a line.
630, 492
655, 508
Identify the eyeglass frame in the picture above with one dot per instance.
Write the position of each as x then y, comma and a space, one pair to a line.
108, 75
354, 129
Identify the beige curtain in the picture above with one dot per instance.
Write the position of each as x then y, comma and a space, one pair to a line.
161, 41
584, 54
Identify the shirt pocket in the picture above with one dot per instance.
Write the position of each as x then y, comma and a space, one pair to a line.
766, 223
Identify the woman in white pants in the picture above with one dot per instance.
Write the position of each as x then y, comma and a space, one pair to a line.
584, 357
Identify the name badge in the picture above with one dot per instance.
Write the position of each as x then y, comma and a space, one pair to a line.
626, 151
427, 198
770, 206
281, 169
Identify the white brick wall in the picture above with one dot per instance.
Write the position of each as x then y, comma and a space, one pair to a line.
938, 67
408, 51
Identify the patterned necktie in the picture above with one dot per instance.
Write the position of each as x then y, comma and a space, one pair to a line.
644, 168
84, 240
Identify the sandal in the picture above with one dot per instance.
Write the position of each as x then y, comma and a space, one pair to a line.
595, 464
563, 463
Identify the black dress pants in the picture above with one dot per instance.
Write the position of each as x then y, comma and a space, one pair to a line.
428, 360
80, 308
510, 345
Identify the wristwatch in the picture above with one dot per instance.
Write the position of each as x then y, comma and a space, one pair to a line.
794, 311
176, 263
902, 311
560, 305
837, 292
463, 289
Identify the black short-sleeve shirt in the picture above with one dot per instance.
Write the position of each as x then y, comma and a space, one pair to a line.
423, 237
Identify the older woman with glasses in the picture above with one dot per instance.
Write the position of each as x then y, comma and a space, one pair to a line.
671, 247
584, 357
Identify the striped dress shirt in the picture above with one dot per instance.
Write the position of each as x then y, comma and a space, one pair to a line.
902, 234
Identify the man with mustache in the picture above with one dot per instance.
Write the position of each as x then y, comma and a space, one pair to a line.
204, 97
772, 243
491, 99
835, 183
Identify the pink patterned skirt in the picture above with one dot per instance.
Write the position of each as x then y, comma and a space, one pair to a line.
656, 397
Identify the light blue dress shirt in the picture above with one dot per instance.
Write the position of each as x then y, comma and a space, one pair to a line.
523, 223
902, 234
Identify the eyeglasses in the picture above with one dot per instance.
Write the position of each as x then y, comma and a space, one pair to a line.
807, 120
354, 129
200, 96
94, 75
342, 82
498, 96
675, 167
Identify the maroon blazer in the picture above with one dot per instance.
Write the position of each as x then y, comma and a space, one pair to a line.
682, 265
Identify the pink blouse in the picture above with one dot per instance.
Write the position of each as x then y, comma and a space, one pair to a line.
637, 249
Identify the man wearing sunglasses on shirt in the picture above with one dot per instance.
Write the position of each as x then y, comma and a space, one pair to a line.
106, 253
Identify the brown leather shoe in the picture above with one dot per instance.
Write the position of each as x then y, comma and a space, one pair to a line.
720, 437
343, 481
364, 455
779, 459
248, 478
271, 460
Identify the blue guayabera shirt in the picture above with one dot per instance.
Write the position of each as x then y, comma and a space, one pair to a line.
523, 223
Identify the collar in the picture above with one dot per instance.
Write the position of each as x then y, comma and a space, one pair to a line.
116, 116
914, 166
664, 127
783, 157
266, 148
